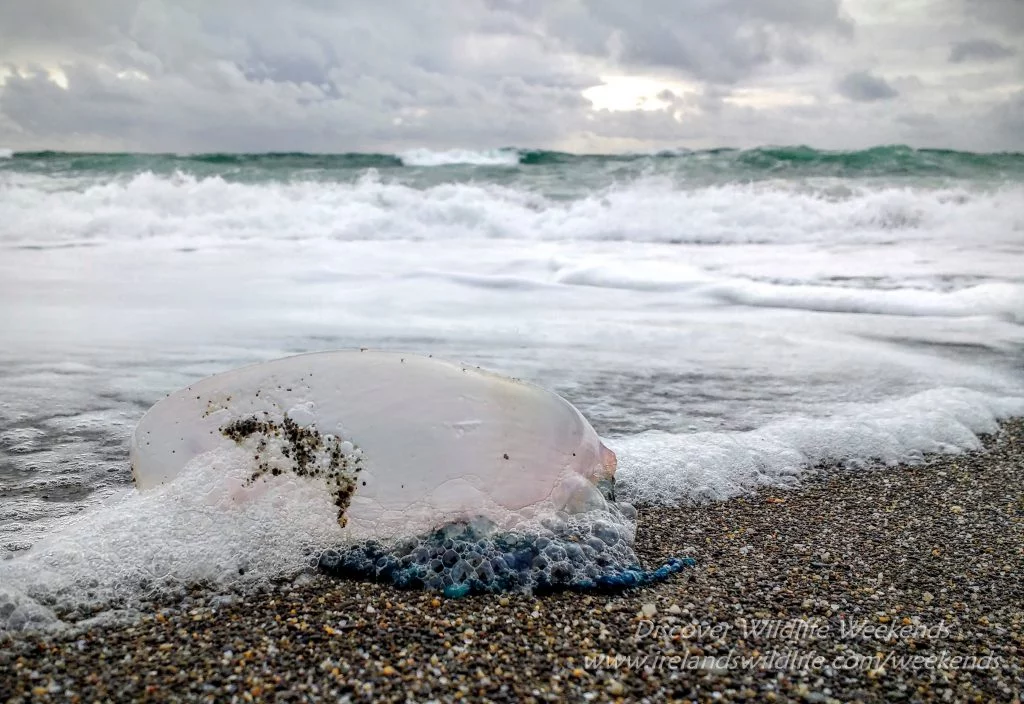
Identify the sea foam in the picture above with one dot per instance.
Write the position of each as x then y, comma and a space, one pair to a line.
212, 211
669, 469
1003, 299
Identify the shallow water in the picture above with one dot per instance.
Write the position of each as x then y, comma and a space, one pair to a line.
721, 319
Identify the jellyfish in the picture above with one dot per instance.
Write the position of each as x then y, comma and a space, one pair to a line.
443, 475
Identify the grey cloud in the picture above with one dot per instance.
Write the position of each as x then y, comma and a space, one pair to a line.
1009, 121
1006, 14
342, 75
863, 86
980, 50
56, 27
723, 41
257, 76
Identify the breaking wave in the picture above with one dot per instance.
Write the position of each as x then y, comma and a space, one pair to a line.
491, 157
149, 206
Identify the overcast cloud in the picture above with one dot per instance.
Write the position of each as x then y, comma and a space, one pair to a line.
580, 75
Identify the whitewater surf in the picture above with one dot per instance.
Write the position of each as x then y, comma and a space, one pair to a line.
725, 320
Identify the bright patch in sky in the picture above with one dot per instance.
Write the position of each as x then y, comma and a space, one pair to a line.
58, 76
132, 74
621, 93
54, 73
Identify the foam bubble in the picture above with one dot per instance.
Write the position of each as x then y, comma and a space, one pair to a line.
668, 469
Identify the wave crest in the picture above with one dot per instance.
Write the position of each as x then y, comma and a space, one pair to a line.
41, 210
489, 157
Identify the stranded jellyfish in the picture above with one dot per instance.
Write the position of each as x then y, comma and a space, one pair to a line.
443, 475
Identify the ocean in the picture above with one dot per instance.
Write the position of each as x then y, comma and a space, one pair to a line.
725, 319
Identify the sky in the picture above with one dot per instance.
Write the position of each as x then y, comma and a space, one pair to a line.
571, 75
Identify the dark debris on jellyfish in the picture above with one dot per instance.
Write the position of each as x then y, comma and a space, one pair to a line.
309, 453
465, 558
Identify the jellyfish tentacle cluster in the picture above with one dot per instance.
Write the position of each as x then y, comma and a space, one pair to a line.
462, 559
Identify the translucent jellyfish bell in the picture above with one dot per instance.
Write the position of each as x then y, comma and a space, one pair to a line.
403, 443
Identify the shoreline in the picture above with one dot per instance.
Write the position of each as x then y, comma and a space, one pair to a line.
873, 571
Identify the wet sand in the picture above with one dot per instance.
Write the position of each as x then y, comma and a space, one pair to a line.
889, 584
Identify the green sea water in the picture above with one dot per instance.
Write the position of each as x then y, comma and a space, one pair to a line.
511, 165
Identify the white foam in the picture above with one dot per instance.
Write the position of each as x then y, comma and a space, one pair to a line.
488, 157
669, 469
6, 153
637, 276
1002, 299
211, 211
188, 530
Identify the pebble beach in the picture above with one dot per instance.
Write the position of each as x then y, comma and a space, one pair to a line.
885, 584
